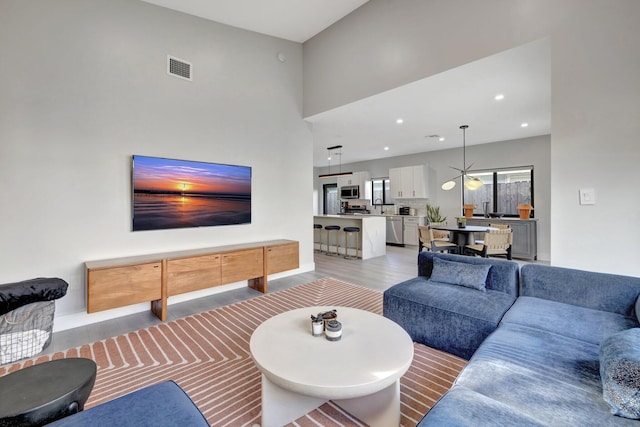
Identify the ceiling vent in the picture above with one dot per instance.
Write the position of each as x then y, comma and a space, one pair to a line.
179, 68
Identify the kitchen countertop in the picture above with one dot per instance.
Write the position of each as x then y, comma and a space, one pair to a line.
511, 218
349, 215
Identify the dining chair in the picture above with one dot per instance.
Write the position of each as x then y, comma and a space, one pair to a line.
440, 234
499, 226
427, 240
496, 243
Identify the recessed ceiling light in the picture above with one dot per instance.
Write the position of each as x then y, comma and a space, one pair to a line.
499, 97
399, 121
524, 125
386, 148
435, 136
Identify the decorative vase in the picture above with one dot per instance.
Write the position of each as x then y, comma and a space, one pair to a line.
468, 210
485, 209
525, 210
462, 222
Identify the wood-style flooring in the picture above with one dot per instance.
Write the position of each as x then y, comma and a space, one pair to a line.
378, 273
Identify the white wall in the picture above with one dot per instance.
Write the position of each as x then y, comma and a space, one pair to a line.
595, 95
520, 152
84, 86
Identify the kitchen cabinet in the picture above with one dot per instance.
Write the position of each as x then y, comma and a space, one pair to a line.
408, 182
357, 178
410, 224
525, 234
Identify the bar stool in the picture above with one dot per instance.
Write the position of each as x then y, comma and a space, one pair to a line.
317, 227
355, 232
335, 229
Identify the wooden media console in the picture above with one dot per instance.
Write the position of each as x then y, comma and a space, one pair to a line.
115, 283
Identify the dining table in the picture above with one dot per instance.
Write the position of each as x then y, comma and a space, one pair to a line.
462, 236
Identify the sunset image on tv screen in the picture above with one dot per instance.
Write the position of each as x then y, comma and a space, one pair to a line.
170, 193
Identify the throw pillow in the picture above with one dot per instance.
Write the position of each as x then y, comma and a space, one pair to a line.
620, 372
472, 276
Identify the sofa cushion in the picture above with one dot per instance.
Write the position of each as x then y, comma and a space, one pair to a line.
565, 319
159, 405
620, 372
459, 273
503, 275
598, 291
461, 407
451, 318
549, 377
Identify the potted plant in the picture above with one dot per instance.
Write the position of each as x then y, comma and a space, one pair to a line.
461, 221
468, 209
525, 210
434, 215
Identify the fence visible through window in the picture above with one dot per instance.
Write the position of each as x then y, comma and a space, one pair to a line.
502, 192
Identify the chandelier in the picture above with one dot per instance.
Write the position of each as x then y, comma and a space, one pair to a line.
337, 151
472, 183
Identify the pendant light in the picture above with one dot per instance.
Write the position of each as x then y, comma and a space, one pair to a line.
338, 152
472, 183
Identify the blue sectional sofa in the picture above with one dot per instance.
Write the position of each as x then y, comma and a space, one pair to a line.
564, 352
452, 318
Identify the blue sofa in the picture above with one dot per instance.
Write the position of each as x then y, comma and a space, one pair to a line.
545, 361
159, 405
455, 319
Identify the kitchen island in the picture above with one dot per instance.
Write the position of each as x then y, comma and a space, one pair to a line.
373, 232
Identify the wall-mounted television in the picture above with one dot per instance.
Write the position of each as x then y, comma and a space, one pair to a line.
171, 193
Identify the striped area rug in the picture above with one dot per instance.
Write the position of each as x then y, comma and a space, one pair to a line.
207, 354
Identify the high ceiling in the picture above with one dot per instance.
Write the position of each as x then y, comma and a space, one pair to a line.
295, 20
437, 105
440, 104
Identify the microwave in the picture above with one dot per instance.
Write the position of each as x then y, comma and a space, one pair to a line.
350, 192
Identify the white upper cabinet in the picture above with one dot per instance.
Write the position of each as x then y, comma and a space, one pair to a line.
408, 182
357, 178
343, 181
420, 188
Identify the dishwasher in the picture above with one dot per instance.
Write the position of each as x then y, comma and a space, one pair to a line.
395, 230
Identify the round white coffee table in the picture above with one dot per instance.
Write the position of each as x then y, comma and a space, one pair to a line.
360, 372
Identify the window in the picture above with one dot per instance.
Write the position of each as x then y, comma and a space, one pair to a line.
381, 192
503, 190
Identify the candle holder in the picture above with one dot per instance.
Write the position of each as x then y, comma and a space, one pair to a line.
333, 330
317, 326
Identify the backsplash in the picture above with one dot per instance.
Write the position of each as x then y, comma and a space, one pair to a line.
420, 205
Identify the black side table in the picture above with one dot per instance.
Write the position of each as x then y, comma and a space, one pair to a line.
45, 392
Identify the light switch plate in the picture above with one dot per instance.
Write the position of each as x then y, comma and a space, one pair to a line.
587, 196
